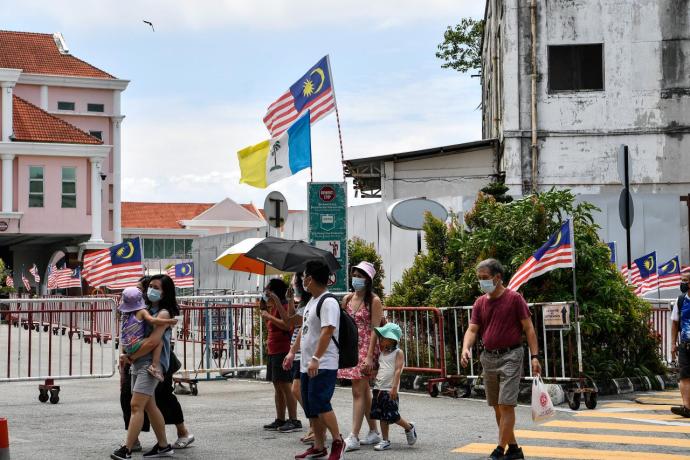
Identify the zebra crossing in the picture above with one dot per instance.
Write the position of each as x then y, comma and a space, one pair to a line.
640, 429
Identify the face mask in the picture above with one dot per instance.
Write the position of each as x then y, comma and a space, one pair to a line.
154, 295
359, 283
264, 297
487, 286
683, 287
305, 286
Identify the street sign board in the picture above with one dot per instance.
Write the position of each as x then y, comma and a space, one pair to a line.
327, 204
276, 209
556, 316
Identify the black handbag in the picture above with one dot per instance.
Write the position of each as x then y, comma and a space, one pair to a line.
175, 364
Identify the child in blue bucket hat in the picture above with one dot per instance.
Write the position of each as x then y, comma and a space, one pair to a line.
385, 405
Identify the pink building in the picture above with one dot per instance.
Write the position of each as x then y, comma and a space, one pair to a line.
60, 152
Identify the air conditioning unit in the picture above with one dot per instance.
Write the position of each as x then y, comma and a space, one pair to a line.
61, 43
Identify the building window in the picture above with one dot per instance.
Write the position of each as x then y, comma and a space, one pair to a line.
69, 187
97, 134
62, 105
110, 220
167, 248
95, 107
111, 193
35, 186
576, 67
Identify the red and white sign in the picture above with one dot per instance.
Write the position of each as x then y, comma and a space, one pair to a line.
327, 193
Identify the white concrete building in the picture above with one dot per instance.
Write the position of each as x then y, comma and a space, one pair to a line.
565, 83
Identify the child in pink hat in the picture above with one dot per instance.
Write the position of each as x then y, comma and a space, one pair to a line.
133, 319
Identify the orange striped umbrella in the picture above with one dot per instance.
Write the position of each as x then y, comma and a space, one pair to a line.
234, 258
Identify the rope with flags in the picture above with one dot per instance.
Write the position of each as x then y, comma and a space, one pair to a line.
557, 252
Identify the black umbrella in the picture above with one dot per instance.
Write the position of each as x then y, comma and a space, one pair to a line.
290, 255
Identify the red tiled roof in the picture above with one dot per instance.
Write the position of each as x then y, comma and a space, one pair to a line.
159, 215
38, 53
32, 124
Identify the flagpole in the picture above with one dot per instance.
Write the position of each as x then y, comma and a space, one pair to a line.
337, 117
577, 308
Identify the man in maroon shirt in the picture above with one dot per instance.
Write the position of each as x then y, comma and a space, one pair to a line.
500, 317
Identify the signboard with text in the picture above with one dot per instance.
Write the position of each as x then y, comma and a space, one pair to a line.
556, 316
327, 203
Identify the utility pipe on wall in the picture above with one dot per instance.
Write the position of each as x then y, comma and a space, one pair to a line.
534, 147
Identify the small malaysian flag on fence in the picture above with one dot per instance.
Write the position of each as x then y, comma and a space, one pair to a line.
69, 278
52, 277
116, 268
558, 252
34, 271
182, 274
9, 281
26, 283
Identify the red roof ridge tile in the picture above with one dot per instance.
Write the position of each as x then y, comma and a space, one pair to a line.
30, 134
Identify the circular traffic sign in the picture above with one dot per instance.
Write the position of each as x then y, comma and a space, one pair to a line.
327, 193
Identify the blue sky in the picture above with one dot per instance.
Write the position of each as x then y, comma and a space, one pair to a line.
201, 82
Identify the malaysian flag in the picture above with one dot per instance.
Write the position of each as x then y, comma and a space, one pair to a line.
25, 281
314, 92
68, 278
644, 274
612, 248
9, 281
558, 252
34, 271
52, 277
182, 274
115, 268
669, 274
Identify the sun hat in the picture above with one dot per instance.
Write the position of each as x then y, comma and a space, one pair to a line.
366, 267
389, 331
132, 300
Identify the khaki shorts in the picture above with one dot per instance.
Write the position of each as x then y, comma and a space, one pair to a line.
502, 376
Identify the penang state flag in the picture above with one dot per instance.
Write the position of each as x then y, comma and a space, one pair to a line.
270, 161
314, 92
558, 252
647, 279
669, 274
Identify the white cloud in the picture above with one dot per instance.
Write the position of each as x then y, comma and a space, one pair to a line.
169, 15
176, 153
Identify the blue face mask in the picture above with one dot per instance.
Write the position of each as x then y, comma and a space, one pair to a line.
487, 286
359, 284
154, 295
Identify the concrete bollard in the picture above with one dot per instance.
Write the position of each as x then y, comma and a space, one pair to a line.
4, 440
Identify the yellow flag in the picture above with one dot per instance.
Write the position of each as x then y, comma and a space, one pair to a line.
253, 164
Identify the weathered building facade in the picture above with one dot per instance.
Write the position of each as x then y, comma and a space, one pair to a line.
566, 82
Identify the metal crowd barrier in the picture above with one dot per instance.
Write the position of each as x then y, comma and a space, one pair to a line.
48, 339
660, 322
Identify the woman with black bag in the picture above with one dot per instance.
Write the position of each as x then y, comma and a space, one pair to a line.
165, 397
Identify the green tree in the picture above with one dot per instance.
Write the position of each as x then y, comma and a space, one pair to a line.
617, 339
359, 250
462, 46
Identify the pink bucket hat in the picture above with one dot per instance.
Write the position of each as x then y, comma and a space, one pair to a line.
132, 300
366, 267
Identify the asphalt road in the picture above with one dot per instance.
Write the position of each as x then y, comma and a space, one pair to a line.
226, 419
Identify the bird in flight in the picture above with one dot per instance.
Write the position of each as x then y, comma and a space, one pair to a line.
151, 24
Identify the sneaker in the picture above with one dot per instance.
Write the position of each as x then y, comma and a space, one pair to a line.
155, 373
312, 453
337, 449
275, 425
137, 446
373, 437
290, 426
158, 451
121, 454
681, 410
351, 443
383, 445
497, 454
514, 454
411, 435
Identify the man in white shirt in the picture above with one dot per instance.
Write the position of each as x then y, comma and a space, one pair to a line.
680, 337
319, 364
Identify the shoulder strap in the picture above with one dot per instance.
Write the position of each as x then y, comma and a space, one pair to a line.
321, 301
679, 302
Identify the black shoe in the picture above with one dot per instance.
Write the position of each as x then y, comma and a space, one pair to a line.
158, 451
497, 454
514, 454
121, 454
290, 426
681, 410
275, 425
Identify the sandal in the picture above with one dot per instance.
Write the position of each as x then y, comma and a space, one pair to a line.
308, 439
183, 443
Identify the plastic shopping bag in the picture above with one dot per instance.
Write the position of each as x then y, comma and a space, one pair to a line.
542, 407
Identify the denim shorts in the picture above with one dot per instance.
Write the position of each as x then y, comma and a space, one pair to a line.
317, 392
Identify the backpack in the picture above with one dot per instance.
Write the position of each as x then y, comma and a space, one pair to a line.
347, 342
